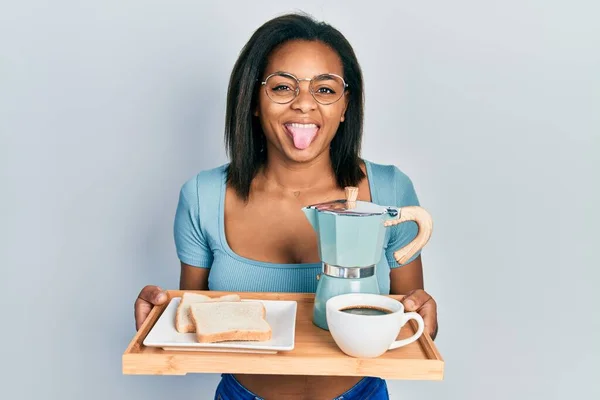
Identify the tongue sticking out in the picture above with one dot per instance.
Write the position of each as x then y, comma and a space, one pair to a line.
302, 136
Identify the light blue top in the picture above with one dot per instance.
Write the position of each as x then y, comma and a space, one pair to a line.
200, 235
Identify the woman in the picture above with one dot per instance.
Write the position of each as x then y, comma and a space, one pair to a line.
292, 141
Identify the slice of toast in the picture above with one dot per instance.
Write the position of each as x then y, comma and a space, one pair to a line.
230, 321
183, 323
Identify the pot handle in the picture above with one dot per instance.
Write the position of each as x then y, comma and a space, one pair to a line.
425, 227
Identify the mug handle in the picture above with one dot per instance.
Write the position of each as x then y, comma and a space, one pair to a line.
408, 316
425, 227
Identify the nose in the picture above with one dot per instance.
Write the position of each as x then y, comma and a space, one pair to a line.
304, 102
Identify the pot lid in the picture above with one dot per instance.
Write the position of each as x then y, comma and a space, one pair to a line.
351, 206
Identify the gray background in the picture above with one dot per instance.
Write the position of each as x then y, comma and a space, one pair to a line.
492, 108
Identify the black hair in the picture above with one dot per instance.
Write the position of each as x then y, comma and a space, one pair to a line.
244, 138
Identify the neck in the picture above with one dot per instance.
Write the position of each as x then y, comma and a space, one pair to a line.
294, 176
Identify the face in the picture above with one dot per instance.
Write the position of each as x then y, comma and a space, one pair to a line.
301, 130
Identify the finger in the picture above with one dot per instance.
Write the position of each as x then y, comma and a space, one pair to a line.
414, 300
153, 295
142, 309
429, 313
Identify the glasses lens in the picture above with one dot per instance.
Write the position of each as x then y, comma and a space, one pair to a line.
281, 88
327, 88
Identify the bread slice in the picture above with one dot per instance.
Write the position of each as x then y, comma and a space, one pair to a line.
183, 323
230, 321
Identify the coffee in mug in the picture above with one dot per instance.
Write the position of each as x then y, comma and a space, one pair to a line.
365, 310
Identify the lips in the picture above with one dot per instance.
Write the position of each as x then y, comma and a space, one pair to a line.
302, 133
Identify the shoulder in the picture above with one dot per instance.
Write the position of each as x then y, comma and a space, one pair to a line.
204, 182
391, 183
386, 174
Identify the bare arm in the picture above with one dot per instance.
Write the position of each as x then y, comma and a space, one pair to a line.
408, 280
193, 278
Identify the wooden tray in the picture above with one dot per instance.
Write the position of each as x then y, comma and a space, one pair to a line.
315, 352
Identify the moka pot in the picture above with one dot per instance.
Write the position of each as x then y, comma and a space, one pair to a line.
350, 236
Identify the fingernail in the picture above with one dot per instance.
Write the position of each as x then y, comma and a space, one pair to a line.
160, 297
409, 304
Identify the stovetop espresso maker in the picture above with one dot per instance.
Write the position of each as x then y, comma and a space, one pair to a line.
350, 236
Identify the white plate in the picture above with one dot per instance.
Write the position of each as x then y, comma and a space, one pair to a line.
280, 314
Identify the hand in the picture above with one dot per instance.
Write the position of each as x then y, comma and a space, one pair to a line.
149, 297
421, 302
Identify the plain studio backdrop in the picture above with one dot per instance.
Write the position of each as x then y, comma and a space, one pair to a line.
492, 108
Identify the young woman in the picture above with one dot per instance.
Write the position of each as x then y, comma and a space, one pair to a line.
293, 133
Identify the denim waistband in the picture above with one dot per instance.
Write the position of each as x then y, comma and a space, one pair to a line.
231, 388
365, 389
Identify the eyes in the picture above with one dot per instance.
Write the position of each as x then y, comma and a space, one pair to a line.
320, 89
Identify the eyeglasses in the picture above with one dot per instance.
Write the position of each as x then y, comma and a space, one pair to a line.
283, 87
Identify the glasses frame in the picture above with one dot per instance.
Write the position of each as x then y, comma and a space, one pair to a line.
297, 91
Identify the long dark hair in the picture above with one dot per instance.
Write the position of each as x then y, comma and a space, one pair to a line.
244, 137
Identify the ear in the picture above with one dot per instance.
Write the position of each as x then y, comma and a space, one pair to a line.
256, 109
345, 107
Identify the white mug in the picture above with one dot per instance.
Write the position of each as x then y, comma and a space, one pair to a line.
367, 325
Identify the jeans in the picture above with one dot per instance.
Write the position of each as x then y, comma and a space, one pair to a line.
366, 389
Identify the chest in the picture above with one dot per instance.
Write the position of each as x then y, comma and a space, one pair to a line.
273, 228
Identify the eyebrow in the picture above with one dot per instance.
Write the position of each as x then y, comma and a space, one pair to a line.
322, 76
325, 76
